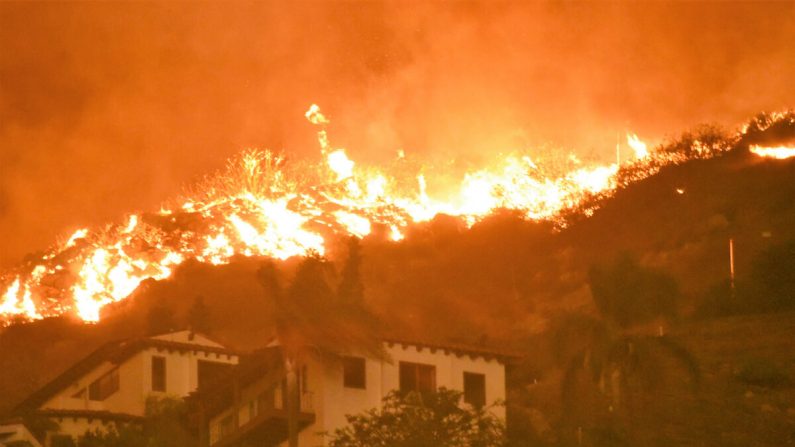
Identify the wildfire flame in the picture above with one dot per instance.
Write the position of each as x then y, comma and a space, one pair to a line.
778, 152
260, 205
638, 146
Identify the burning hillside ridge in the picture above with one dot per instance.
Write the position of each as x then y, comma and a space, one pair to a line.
263, 205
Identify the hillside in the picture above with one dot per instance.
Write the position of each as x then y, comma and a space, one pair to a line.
502, 281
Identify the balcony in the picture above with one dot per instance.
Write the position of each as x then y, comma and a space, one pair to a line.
263, 421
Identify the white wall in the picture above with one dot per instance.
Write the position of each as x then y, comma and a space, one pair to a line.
18, 433
182, 373
128, 399
333, 401
135, 381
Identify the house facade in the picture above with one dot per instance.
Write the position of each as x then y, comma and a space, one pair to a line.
14, 432
112, 384
249, 409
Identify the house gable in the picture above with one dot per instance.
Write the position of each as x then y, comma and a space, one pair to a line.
132, 361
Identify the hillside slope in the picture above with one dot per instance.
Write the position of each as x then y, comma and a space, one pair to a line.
496, 283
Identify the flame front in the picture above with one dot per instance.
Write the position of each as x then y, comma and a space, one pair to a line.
260, 205
777, 152
638, 146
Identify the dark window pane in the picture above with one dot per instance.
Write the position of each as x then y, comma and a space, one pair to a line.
475, 389
265, 400
103, 387
226, 426
353, 371
158, 374
417, 377
210, 372
408, 380
80, 394
426, 375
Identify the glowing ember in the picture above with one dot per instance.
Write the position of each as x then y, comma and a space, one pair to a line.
262, 206
778, 152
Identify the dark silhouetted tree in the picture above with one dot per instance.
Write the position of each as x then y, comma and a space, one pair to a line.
163, 426
350, 289
627, 293
310, 318
608, 367
773, 278
608, 351
199, 316
160, 319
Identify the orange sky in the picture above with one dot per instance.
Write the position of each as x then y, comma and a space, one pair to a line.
111, 108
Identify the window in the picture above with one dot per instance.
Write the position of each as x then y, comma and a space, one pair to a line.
475, 389
80, 394
103, 387
209, 372
265, 400
353, 372
303, 380
226, 427
158, 373
417, 377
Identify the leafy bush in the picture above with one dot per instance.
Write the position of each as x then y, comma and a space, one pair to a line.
773, 274
770, 287
421, 420
163, 426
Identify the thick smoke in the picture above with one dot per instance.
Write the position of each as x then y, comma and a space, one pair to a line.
110, 108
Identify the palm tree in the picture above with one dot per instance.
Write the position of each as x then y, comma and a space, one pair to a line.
617, 362
614, 350
310, 317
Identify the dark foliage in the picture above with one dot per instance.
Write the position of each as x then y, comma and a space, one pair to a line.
763, 373
627, 293
427, 420
768, 127
773, 275
703, 141
18, 444
351, 289
160, 319
199, 316
163, 426
770, 286
309, 314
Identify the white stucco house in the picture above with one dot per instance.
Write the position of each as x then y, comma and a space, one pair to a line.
247, 407
14, 431
112, 384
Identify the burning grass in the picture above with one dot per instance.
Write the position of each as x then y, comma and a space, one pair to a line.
264, 205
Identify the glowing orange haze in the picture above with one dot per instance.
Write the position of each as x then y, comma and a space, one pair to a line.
262, 206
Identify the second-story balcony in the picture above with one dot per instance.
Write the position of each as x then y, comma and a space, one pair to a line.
263, 421
249, 406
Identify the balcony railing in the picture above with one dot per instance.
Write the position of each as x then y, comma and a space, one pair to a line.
305, 402
266, 413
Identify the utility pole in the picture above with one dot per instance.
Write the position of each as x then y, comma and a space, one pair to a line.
731, 263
